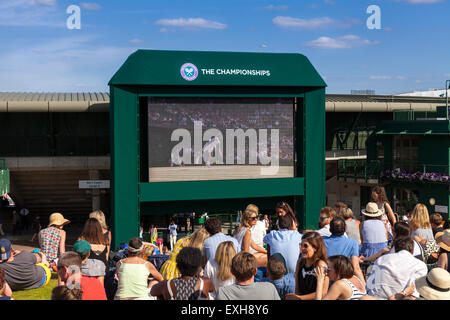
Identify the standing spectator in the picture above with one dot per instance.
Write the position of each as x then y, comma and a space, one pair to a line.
394, 272
153, 234
374, 235
244, 237
284, 241
188, 225
436, 223
267, 223
314, 254
24, 218
15, 223
346, 284
92, 233
338, 244
52, 240
214, 228
326, 215
23, 269
133, 273
388, 217
435, 285
189, 286
100, 216
219, 269
282, 209
443, 241
5, 290
276, 271
173, 234
353, 225
169, 269
69, 271
338, 208
2, 234
244, 269
36, 228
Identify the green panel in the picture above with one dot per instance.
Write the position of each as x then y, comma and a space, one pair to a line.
313, 157
157, 67
220, 189
124, 165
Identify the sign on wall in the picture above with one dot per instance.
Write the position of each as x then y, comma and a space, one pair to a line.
94, 184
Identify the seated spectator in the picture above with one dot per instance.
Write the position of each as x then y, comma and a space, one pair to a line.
283, 209
133, 273
338, 208
285, 241
244, 269
443, 241
346, 284
64, 293
436, 223
243, 235
374, 235
219, 269
5, 290
276, 271
23, 269
69, 271
100, 216
394, 272
214, 228
339, 244
189, 286
353, 225
435, 285
89, 267
52, 240
314, 255
420, 223
326, 215
169, 269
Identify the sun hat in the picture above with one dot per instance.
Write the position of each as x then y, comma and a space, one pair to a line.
443, 239
372, 210
82, 247
57, 219
435, 285
5, 249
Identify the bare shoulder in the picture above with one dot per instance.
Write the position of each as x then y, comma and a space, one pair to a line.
322, 263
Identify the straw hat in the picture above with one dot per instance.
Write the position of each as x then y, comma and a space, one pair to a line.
443, 239
57, 219
435, 285
372, 210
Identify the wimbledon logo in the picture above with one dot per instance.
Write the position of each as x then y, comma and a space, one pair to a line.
189, 71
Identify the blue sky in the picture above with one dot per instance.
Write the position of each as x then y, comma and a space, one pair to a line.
410, 52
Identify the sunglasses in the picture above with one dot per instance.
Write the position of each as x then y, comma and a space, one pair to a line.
323, 218
254, 218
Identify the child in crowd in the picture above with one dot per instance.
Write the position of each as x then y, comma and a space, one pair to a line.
64, 293
436, 223
89, 267
276, 272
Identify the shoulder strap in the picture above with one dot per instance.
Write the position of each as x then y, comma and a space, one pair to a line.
169, 288
200, 291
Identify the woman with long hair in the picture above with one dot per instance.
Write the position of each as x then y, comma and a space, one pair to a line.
169, 269
100, 216
388, 217
282, 209
93, 233
219, 269
314, 254
420, 223
243, 234
346, 285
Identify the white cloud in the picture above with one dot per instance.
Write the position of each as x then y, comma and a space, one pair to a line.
420, 1
191, 23
49, 3
309, 24
272, 7
31, 13
380, 77
137, 41
91, 6
344, 42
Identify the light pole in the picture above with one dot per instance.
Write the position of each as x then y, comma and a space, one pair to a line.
447, 86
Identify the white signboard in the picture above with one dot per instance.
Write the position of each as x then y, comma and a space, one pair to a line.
93, 184
441, 209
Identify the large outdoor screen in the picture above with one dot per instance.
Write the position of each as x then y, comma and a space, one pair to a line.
220, 138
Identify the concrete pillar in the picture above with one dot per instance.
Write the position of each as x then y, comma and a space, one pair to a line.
95, 193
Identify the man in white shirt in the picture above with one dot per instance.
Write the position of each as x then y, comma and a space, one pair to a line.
326, 215
394, 272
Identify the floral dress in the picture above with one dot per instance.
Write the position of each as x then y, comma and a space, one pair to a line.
50, 238
169, 269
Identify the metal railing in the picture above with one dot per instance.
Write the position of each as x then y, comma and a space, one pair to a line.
356, 169
4, 178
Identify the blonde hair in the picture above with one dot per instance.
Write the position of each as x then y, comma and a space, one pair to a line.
420, 217
100, 216
346, 213
247, 214
197, 239
224, 255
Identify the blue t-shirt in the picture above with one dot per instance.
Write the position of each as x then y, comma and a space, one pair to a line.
284, 285
210, 245
287, 243
341, 245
